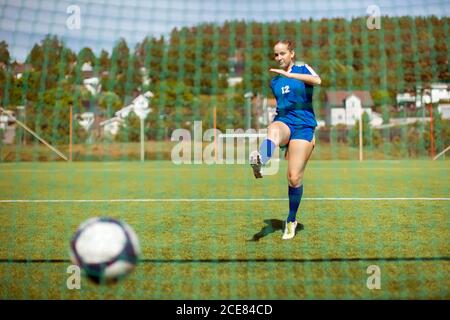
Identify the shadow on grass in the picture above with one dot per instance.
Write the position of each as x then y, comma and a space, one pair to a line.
272, 225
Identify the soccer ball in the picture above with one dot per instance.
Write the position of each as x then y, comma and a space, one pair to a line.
105, 249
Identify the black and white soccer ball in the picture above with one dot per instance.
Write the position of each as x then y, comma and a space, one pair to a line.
105, 249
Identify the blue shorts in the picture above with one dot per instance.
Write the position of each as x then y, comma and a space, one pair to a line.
298, 132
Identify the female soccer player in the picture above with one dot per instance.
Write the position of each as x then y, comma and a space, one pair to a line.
293, 125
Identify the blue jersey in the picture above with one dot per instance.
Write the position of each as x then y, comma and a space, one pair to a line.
294, 98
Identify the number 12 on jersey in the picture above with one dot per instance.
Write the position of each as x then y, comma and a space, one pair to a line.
285, 89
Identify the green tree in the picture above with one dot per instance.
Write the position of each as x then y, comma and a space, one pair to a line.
370, 136
110, 102
4, 53
125, 77
104, 61
86, 55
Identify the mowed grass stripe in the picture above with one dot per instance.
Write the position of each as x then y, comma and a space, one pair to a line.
217, 200
161, 180
288, 260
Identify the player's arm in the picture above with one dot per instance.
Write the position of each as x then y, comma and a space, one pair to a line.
312, 79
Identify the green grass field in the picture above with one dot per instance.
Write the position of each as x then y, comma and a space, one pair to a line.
214, 232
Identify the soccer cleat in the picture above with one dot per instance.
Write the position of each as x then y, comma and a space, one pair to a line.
255, 162
289, 230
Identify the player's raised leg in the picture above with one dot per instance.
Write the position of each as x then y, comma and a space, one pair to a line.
278, 133
299, 152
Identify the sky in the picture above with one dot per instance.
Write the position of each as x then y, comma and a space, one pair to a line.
98, 24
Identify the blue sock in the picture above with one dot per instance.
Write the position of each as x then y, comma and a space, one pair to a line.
295, 196
266, 150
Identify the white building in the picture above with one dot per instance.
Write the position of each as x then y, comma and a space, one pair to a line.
3, 121
444, 110
434, 93
233, 81
8, 128
345, 107
112, 126
86, 120
439, 92
91, 82
406, 98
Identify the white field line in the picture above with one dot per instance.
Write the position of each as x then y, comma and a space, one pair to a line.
198, 167
213, 200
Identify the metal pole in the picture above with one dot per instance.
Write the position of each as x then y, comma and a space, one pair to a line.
70, 134
360, 138
442, 153
248, 96
215, 133
142, 140
248, 113
431, 131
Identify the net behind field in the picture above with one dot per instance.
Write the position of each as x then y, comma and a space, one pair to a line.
211, 231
